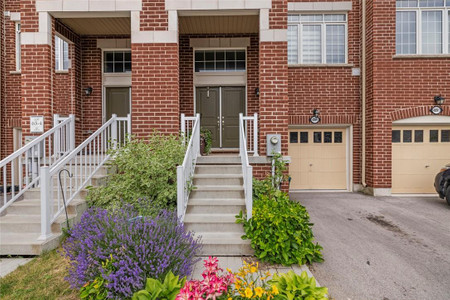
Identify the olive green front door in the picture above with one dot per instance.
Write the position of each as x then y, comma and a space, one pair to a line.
219, 109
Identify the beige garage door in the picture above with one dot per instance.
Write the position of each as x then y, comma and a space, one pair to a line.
318, 159
418, 153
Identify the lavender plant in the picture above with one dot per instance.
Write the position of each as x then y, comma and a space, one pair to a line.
141, 248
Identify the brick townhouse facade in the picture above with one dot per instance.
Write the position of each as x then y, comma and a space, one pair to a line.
349, 85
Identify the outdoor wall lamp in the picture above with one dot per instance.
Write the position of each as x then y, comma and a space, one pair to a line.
88, 91
257, 92
439, 100
437, 109
315, 117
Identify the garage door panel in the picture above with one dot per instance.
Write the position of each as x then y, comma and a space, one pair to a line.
416, 163
317, 165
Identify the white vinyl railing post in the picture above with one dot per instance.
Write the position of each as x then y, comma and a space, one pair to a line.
71, 132
114, 132
180, 192
129, 126
249, 192
46, 203
183, 128
241, 121
255, 135
57, 139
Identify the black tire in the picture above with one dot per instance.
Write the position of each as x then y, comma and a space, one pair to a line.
447, 195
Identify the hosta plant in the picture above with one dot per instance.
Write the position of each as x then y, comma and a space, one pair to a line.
157, 290
292, 286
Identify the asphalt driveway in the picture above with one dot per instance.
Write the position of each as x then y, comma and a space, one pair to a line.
381, 248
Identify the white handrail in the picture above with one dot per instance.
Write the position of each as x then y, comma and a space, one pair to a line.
81, 164
247, 169
185, 172
251, 130
21, 170
187, 125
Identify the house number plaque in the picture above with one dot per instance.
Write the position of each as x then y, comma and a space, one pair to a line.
36, 124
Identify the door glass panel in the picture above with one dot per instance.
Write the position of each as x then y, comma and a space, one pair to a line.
304, 137
338, 137
317, 137
396, 136
407, 136
328, 137
418, 136
293, 139
445, 136
434, 136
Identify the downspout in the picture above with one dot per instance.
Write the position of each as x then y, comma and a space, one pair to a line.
363, 96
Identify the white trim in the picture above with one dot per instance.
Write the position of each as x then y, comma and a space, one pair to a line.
320, 6
273, 35
424, 120
217, 4
44, 36
88, 5
18, 51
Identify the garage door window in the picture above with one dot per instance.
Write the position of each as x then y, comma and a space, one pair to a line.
434, 136
407, 136
304, 137
445, 136
293, 137
338, 137
396, 136
418, 136
328, 137
317, 137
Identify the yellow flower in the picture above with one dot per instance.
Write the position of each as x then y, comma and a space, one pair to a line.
253, 269
229, 298
275, 290
259, 291
248, 293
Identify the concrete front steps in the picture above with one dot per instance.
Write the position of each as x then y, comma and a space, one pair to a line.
20, 225
217, 197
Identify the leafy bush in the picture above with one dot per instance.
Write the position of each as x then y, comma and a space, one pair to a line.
97, 289
157, 290
141, 247
147, 170
279, 230
298, 287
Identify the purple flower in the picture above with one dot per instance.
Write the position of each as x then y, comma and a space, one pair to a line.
142, 248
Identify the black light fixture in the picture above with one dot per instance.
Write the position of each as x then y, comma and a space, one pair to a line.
315, 117
257, 92
439, 100
88, 91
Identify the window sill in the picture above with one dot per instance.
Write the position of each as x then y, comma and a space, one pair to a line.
17, 72
62, 71
420, 56
320, 65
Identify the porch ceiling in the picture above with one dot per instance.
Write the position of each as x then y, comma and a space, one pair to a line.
99, 26
219, 24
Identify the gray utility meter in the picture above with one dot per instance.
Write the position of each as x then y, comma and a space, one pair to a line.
273, 144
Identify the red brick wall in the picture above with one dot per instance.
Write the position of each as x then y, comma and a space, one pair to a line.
155, 92
278, 14
186, 72
332, 90
153, 15
398, 85
11, 94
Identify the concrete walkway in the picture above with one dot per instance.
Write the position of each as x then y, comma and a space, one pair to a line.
7, 265
381, 248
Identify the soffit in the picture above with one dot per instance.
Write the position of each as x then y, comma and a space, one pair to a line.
219, 24
98, 26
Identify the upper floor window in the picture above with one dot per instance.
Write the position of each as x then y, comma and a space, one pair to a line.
423, 27
117, 62
61, 54
317, 39
220, 61
18, 51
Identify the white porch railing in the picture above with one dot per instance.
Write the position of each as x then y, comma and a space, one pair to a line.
185, 172
82, 163
21, 170
187, 125
251, 133
247, 169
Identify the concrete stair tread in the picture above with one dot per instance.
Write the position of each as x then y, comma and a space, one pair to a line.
208, 218
21, 239
219, 176
216, 202
218, 188
37, 202
29, 219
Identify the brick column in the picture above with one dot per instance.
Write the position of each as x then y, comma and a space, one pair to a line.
37, 66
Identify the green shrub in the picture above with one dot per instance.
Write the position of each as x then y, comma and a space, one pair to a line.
146, 175
157, 290
279, 230
298, 287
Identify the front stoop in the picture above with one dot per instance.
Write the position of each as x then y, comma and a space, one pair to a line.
217, 197
20, 226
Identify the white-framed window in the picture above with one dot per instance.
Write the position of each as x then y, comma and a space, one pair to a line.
18, 50
117, 61
317, 38
423, 27
229, 60
61, 54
